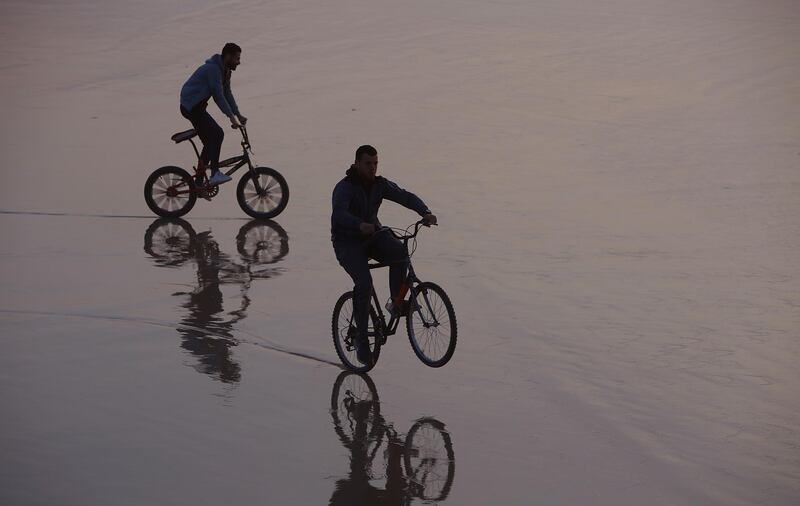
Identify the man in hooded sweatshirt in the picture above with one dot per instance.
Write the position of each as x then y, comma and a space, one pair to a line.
356, 200
212, 79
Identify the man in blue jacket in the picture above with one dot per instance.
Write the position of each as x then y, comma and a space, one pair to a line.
212, 79
356, 200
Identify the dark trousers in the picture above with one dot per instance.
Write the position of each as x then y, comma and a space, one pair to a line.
353, 256
210, 134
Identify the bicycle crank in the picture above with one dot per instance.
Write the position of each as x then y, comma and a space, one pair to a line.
209, 192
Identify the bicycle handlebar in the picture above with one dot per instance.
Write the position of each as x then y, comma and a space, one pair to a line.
417, 226
405, 237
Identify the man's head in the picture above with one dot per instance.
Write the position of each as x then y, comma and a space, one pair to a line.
366, 164
231, 55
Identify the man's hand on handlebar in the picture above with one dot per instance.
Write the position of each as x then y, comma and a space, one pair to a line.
429, 219
235, 122
367, 228
242, 119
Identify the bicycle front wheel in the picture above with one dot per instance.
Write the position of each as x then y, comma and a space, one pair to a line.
429, 459
267, 200
262, 242
170, 192
344, 332
431, 325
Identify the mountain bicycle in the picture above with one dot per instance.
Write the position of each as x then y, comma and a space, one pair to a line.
171, 191
430, 323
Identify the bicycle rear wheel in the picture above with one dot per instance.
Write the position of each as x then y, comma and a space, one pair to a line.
170, 192
354, 400
344, 331
431, 325
170, 241
270, 201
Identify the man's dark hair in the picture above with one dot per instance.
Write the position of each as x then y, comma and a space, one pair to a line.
231, 48
366, 149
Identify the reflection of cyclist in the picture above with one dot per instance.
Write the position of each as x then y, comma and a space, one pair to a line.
422, 466
369, 426
207, 330
212, 79
356, 489
356, 200
208, 334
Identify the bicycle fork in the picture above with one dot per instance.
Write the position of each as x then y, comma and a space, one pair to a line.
414, 282
426, 322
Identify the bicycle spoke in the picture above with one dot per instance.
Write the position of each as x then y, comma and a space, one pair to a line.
257, 202
164, 184
262, 244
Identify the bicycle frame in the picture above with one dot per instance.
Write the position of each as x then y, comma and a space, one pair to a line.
390, 328
412, 281
236, 162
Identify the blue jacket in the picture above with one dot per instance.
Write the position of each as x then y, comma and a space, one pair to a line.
206, 82
354, 204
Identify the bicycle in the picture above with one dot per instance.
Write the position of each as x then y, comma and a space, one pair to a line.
171, 191
428, 460
430, 324
171, 242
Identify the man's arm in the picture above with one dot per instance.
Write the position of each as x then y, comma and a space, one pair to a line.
405, 198
342, 195
235, 108
214, 76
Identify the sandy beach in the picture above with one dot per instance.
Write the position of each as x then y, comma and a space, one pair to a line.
617, 186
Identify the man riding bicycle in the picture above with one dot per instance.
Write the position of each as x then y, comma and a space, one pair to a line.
356, 200
212, 79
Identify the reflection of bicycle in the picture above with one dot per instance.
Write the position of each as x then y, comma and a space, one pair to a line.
420, 466
171, 191
171, 242
430, 323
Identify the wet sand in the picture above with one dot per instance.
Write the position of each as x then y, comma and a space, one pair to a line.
617, 185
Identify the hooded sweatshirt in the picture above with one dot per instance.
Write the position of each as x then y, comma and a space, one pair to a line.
209, 80
355, 203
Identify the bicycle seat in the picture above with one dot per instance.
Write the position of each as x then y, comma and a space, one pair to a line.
184, 136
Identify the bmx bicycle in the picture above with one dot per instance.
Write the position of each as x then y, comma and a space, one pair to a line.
171, 191
430, 324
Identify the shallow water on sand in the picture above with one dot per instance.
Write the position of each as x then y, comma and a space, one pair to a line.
172, 360
617, 189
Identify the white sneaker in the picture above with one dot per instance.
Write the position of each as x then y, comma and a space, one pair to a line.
218, 178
